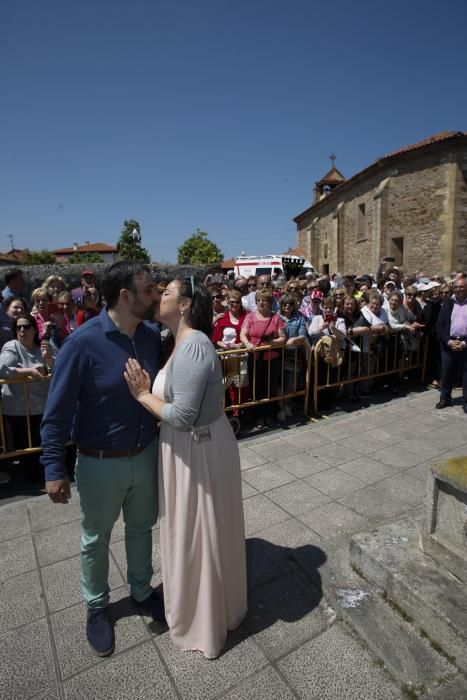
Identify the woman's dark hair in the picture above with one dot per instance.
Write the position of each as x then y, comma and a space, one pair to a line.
7, 303
32, 321
121, 275
201, 304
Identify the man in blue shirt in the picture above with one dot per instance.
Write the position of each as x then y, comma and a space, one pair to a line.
116, 464
14, 284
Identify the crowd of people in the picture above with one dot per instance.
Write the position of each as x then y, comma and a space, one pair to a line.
331, 312
113, 378
341, 314
32, 330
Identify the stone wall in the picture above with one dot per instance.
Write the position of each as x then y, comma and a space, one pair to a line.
36, 274
460, 242
419, 199
418, 204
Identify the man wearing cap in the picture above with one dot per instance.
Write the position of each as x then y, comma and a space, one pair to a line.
451, 329
116, 463
311, 303
88, 279
388, 289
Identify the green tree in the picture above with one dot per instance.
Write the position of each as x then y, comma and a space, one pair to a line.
129, 244
199, 250
40, 257
85, 258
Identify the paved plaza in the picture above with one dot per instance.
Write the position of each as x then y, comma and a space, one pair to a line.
306, 490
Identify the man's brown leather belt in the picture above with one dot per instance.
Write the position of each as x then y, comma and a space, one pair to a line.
109, 454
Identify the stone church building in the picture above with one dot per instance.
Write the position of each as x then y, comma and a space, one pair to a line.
410, 204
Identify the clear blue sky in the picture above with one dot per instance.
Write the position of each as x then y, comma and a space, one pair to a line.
217, 114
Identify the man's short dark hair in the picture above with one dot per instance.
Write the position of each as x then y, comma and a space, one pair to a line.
121, 275
12, 274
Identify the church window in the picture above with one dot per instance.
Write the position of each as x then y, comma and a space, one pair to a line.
361, 222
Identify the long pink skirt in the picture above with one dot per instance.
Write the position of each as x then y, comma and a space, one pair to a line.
202, 536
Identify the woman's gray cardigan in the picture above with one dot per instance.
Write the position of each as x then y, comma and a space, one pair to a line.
193, 386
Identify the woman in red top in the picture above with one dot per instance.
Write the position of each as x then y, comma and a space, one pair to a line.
91, 306
226, 335
263, 327
233, 318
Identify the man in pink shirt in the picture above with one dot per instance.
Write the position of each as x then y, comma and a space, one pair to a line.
451, 329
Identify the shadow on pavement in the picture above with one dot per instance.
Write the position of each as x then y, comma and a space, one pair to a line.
284, 585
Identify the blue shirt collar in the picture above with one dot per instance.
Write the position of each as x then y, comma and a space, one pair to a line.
108, 326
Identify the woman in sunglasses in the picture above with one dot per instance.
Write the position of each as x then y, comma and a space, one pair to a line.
338, 296
218, 308
410, 301
26, 356
295, 332
445, 292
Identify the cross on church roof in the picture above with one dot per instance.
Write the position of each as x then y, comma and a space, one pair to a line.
332, 158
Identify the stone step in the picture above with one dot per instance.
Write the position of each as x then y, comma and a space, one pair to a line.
429, 597
456, 689
409, 658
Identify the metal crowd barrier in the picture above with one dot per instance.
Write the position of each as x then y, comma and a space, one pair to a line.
5, 452
368, 364
249, 381
249, 375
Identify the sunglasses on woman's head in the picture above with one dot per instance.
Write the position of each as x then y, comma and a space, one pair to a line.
191, 280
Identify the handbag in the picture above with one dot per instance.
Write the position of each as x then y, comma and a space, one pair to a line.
266, 339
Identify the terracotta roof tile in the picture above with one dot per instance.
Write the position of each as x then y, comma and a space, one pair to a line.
333, 175
91, 248
436, 138
298, 252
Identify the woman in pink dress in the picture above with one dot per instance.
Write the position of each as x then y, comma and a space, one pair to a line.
200, 501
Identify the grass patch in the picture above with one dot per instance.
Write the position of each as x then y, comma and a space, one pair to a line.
411, 693
405, 615
359, 572
437, 647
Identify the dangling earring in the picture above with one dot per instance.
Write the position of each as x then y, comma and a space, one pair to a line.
181, 312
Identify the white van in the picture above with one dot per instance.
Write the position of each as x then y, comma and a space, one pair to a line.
247, 265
